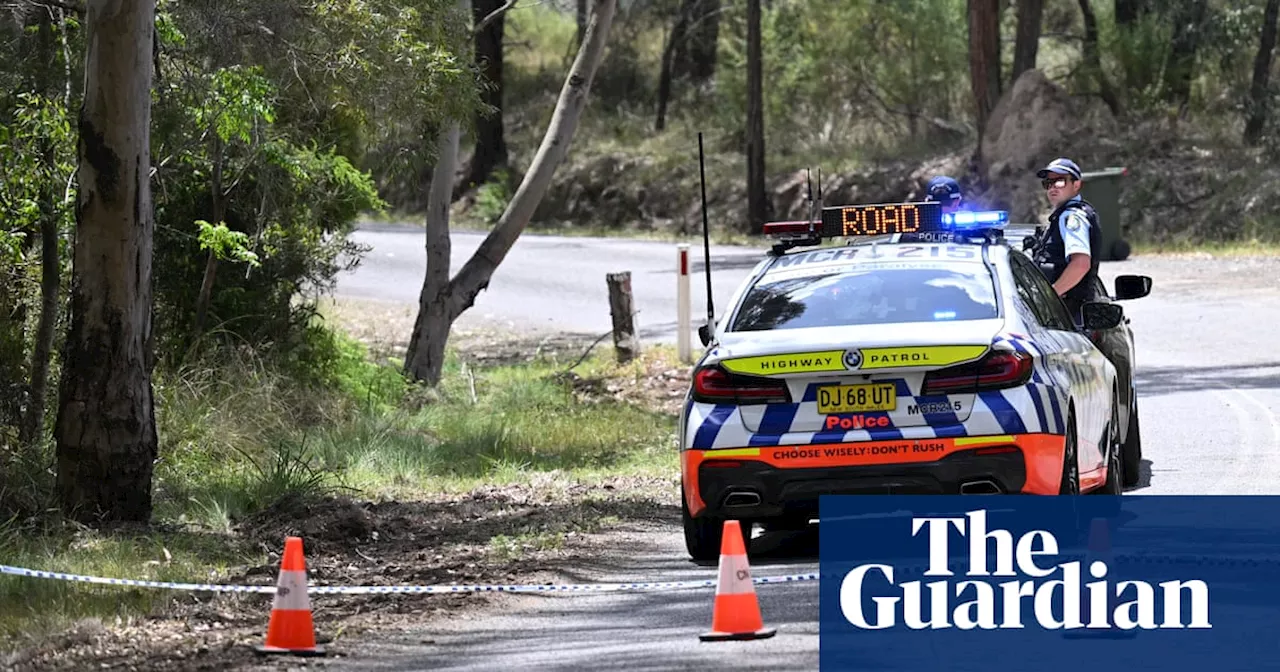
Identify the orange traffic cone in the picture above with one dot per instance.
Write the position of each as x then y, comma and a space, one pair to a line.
1099, 550
736, 614
291, 630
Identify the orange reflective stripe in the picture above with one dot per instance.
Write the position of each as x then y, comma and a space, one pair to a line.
1042, 454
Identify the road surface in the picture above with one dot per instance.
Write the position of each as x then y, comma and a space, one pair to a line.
553, 283
1208, 383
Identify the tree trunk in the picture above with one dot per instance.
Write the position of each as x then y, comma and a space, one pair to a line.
677, 36
50, 261
1188, 21
1129, 11
432, 326
425, 357
757, 200
1027, 40
1259, 95
582, 22
695, 54
105, 431
219, 216
1093, 60
491, 144
984, 59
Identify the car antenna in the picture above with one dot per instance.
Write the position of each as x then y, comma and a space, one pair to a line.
706, 237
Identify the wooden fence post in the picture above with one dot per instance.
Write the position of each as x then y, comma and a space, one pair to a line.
626, 343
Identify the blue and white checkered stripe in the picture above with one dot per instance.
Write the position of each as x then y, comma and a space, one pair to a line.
1037, 407
1046, 397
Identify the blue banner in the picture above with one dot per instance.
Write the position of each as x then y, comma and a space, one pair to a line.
1087, 584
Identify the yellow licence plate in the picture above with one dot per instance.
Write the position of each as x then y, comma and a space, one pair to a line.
834, 399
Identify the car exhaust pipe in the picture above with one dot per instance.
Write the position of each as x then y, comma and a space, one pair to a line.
983, 487
742, 499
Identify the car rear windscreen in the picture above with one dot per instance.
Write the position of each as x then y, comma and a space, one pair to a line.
868, 294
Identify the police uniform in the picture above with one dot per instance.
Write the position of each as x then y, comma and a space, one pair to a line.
1073, 229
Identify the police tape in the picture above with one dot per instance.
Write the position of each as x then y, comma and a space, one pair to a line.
376, 590
581, 588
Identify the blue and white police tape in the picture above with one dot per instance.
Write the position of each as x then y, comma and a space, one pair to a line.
1159, 559
373, 590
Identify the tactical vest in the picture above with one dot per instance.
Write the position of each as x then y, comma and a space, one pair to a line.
1053, 252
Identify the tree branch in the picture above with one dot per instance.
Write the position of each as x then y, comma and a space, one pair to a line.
64, 5
493, 16
475, 274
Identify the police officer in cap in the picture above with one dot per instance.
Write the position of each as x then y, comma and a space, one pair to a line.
945, 190
1067, 250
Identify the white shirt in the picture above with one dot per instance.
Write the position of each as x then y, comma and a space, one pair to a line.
1074, 228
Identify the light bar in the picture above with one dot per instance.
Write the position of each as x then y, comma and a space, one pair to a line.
789, 229
987, 217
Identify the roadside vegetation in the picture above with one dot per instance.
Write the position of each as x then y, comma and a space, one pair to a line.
251, 448
881, 115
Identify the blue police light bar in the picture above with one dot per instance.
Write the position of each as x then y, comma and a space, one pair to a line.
980, 219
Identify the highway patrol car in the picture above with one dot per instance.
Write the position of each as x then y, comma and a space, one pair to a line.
925, 356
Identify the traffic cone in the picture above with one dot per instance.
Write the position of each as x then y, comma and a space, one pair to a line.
1099, 550
736, 614
290, 629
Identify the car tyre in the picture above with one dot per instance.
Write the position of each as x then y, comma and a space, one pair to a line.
702, 536
1115, 456
1132, 448
1070, 484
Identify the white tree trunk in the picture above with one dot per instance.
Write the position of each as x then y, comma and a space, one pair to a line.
431, 330
106, 433
425, 357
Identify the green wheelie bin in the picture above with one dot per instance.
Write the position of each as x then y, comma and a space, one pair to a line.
1102, 190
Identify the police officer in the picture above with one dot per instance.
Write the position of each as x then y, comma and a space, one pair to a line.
1067, 249
945, 190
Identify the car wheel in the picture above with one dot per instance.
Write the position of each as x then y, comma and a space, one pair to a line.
1070, 484
702, 535
1132, 448
1115, 455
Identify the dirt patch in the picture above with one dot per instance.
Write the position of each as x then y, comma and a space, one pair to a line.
493, 535
658, 387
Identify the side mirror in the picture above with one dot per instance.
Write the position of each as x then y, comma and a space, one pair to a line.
1100, 316
1132, 287
704, 333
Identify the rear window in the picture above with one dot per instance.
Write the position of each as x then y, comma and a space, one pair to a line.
868, 294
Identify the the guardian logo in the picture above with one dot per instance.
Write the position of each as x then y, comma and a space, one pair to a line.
1054, 603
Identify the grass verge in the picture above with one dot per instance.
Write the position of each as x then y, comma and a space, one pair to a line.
251, 448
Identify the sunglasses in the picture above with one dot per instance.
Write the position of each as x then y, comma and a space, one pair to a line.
1059, 182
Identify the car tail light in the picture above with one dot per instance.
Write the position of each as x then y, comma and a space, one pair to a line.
714, 385
996, 370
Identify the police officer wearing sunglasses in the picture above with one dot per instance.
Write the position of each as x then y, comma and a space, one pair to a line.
1065, 250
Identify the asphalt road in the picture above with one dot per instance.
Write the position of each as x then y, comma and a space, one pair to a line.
1209, 390
553, 283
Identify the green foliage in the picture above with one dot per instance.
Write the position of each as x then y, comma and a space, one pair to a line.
288, 205
225, 243
283, 109
841, 74
493, 196
30, 125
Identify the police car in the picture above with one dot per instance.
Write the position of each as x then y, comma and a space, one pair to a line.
926, 355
